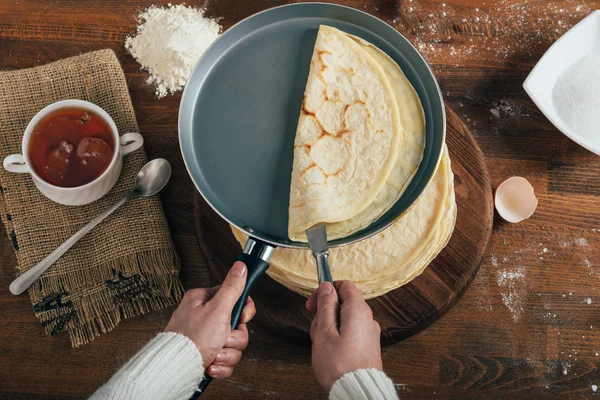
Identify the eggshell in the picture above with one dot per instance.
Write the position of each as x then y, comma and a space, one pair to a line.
515, 199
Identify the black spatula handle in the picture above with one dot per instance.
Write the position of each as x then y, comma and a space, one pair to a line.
256, 257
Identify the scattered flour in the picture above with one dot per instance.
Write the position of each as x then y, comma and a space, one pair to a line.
566, 365
513, 290
589, 265
502, 30
507, 109
402, 387
583, 252
511, 281
169, 42
494, 260
504, 276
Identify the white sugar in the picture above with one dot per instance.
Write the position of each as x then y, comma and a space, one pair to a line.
576, 97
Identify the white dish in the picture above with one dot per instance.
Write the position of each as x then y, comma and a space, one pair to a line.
581, 40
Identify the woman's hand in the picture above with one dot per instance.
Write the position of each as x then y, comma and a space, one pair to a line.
204, 316
345, 337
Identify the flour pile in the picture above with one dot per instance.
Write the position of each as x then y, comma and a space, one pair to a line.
169, 42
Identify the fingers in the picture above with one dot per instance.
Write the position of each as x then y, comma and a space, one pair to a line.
228, 357
377, 327
327, 308
210, 292
199, 296
348, 291
345, 289
354, 311
238, 339
219, 371
248, 312
313, 329
311, 302
232, 287
353, 302
353, 306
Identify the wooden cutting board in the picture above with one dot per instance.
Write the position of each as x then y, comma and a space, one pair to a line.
401, 312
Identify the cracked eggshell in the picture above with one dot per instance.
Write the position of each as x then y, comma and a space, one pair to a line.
515, 199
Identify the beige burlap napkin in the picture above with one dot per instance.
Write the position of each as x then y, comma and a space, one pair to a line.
127, 265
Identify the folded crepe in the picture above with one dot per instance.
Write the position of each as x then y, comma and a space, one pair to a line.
359, 141
384, 261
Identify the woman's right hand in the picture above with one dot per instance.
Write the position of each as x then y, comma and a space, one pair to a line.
204, 316
345, 337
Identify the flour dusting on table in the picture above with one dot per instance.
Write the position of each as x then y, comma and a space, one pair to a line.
169, 42
513, 290
504, 31
402, 387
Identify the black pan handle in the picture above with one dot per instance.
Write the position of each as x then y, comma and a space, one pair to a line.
256, 256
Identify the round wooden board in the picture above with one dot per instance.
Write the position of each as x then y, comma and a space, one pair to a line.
401, 312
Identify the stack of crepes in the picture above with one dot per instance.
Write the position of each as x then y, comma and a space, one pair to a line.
359, 143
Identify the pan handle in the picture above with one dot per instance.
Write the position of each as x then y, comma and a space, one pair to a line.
256, 255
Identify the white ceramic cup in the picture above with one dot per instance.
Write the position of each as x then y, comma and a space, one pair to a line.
92, 191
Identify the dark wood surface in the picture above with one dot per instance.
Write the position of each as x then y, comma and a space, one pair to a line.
507, 338
402, 312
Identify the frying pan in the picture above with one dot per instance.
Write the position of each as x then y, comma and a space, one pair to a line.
238, 118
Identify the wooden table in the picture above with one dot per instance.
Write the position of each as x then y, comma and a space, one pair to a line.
527, 328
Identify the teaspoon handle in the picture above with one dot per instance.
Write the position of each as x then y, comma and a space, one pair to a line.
26, 279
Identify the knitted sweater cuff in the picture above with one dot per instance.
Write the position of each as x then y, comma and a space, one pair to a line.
363, 384
168, 367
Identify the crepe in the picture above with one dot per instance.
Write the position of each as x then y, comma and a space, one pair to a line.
410, 148
358, 93
387, 260
347, 137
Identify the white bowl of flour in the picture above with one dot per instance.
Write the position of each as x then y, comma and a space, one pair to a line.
565, 83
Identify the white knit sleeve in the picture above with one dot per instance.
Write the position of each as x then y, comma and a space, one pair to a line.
168, 367
363, 384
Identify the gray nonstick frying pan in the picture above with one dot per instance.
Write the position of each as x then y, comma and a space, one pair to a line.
238, 117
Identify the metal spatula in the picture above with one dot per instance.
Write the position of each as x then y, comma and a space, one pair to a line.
317, 240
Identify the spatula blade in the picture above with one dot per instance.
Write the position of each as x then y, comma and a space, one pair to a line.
317, 238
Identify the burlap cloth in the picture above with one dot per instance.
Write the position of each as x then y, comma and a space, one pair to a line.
127, 265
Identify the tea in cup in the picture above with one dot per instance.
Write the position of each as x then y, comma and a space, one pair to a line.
73, 151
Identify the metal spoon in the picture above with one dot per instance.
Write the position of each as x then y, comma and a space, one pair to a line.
149, 181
